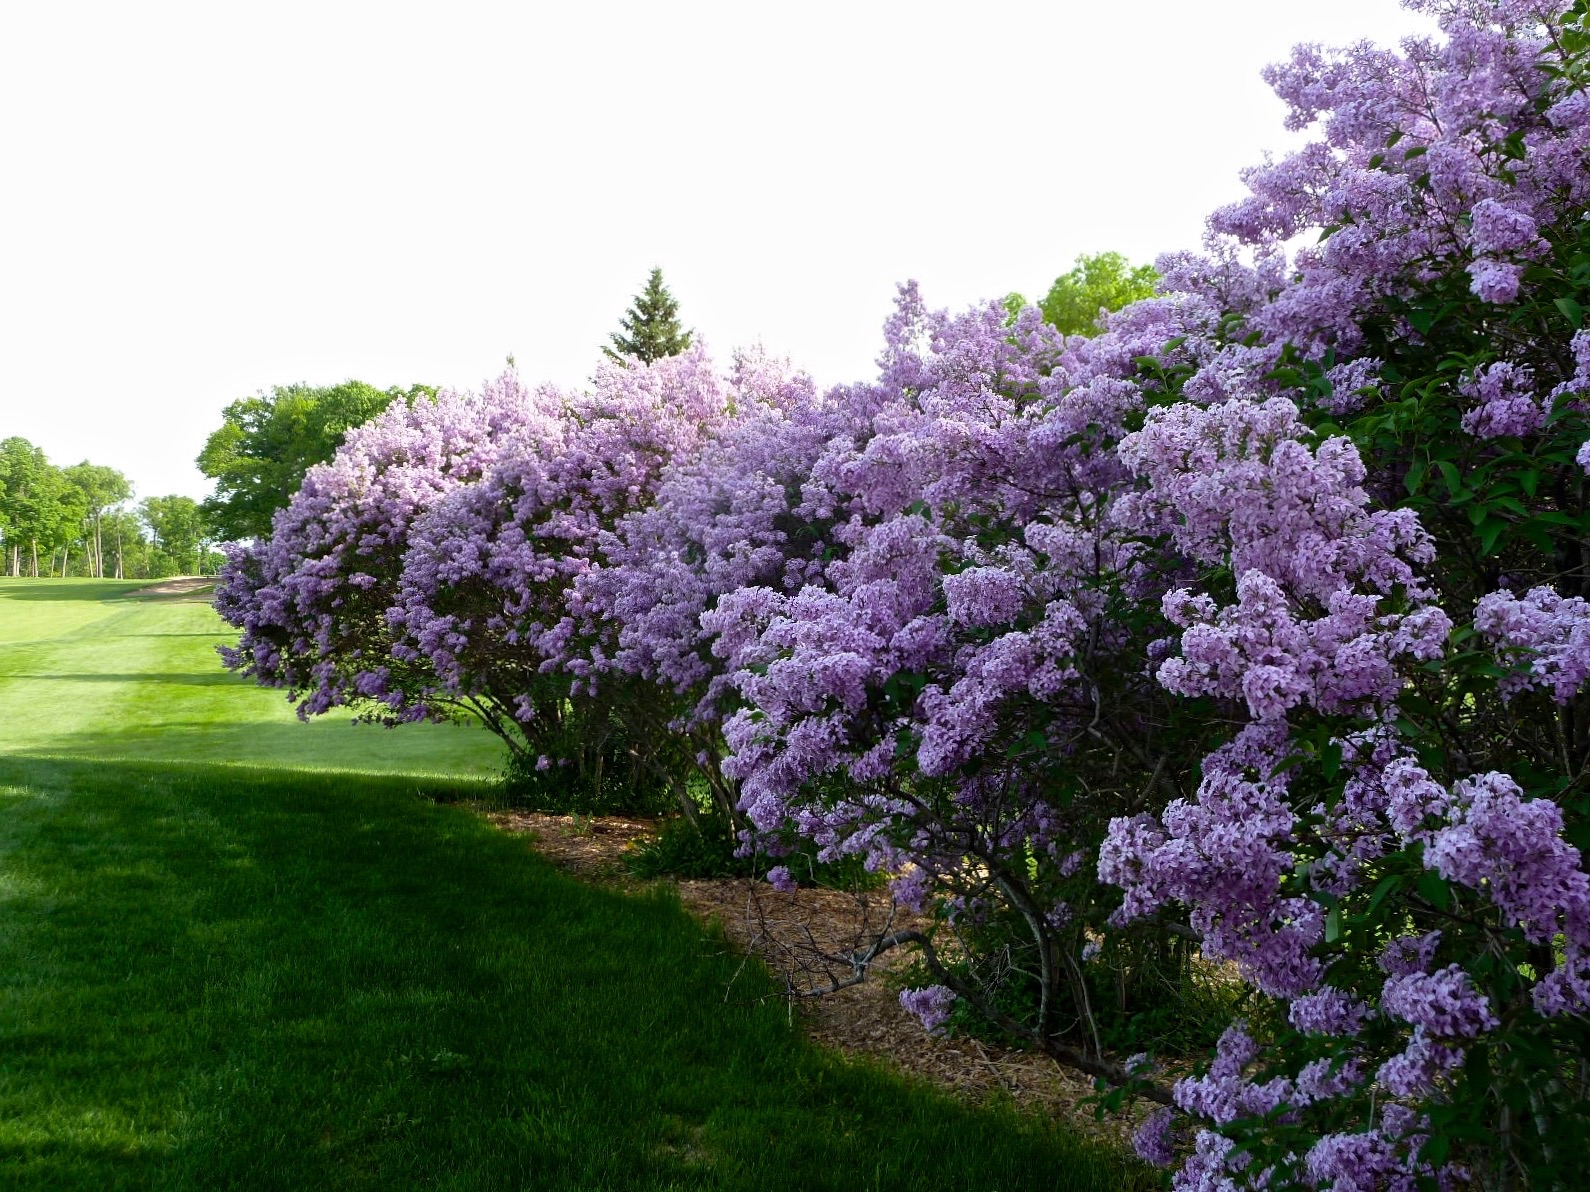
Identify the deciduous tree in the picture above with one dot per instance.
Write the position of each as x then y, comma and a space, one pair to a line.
40, 506
180, 533
1104, 281
265, 444
103, 489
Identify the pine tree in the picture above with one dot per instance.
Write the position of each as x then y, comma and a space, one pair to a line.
651, 329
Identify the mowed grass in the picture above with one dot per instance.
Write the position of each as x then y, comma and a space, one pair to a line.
261, 959
91, 669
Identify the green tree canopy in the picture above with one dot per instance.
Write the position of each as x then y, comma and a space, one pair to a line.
127, 544
266, 443
40, 508
102, 490
650, 330
179, 529
1103, 281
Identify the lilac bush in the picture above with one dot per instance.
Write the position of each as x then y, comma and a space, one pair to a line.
312, 600
489, 597
1254, 624
953, 695
1410, 766
729, 515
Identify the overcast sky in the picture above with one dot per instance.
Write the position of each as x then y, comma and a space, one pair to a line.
202, 201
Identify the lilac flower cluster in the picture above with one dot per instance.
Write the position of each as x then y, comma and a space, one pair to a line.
1406, 180
491, 575
1542, 636
931, 1006
1505, 402
312, 601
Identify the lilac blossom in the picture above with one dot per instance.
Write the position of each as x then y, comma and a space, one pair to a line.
311, 601
1505, 402
1329, 1011
931, 1006
1154, 1140
1543, 636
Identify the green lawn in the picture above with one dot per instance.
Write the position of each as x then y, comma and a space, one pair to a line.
237, 951
88, 669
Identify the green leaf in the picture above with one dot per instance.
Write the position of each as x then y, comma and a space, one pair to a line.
1415, 476
1571, 311
1330, 759
1557, 518
1383, 889
1433, 889
1489, 533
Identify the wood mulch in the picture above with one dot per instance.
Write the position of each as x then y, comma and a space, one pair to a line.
787, 930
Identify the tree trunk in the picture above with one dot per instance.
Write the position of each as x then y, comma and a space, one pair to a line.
34, 543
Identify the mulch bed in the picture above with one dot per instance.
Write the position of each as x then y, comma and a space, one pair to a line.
788, 930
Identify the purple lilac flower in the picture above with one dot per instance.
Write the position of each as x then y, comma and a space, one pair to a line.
931, 1006
1505, 402
1154, 1140
1546, 632
1329, 1011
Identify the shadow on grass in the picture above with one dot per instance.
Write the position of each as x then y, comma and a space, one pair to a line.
28, 588
213, 977
61, 769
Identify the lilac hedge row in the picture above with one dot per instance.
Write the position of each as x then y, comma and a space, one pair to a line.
1258, 620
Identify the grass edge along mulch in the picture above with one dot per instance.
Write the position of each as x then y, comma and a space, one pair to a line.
864, 1020
216, 977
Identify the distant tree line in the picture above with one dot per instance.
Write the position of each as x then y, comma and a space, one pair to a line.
81, 521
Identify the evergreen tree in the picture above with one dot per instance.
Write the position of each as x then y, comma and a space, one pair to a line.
651, 329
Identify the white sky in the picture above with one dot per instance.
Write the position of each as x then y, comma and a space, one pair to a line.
201, 201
